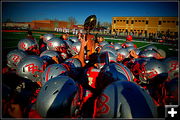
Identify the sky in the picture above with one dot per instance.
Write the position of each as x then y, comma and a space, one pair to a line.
104, 11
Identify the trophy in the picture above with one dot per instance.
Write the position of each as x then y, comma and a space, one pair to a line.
89, 24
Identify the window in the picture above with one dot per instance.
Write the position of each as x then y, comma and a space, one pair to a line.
114, 21
164, 21
142, 20
123, 20
135, 20
117, 20
159, 23
132, 21
127, 21
139, 20
168, 21
120, 20
176, 22
146, 22
173, 21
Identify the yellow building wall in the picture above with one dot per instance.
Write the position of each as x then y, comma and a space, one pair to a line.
139, 24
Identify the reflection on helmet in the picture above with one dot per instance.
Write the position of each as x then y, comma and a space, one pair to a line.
103, 43
172, 66
56, 44
124, 52
47, 37
117, 46
130, 48
52, 71
128, 44
108, 49
49, 54
55, 97
153, 71
75, 48
73, 39
31, 67
148, 53
14, 57
124, 99
73, 63
105, 58
113, 72
151, 47
27, 45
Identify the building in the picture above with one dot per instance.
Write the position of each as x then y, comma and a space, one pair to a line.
145, 25
47, 24
16, 25
38, 25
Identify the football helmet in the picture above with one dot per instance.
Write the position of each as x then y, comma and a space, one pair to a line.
153, 71
14, 57
103, 43
129, 38
73, 63
52, 71
124, 52
47, 37
130, 48
113, 72
31, 67
172, 66
150, 47
56, 44
117, 46
49, 54
109, 49
137, 51
55, 97
27, 45
128, 44
105, 58
124, 99
75, 48
73, 39
148, 53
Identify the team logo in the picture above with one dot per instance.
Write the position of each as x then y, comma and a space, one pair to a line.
32, 68
16, 58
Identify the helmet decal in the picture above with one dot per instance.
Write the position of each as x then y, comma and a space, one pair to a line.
32, 68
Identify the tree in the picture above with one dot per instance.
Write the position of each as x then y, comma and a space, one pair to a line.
71, 21
106, 24
8, 20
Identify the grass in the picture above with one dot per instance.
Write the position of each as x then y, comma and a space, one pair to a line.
10, 41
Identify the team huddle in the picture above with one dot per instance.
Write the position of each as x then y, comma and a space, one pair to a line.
85, 76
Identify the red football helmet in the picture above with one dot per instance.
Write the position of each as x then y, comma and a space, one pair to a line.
129, 38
